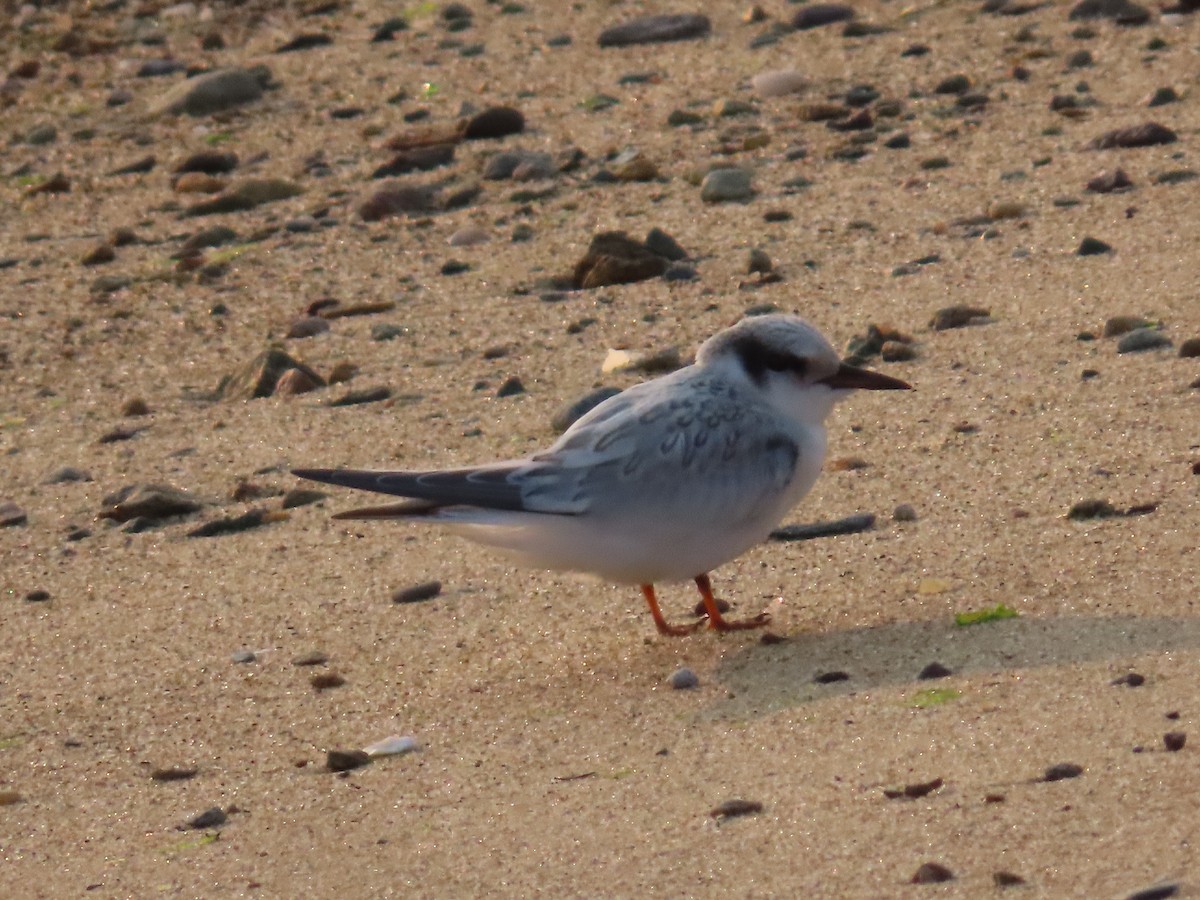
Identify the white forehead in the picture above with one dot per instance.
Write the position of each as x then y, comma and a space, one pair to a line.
778, 331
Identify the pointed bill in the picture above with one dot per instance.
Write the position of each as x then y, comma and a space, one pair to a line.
850, 377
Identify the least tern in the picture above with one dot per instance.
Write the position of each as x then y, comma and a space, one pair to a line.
662, 482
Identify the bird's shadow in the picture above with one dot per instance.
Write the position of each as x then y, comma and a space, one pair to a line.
763, 679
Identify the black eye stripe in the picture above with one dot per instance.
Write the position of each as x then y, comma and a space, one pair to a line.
758, 359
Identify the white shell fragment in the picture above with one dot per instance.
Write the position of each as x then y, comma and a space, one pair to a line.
391, 746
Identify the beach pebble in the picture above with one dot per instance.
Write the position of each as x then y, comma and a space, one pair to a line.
684, 678
494, 122
1129, 679
1156, 892
814, 15
932, 873
934, 670
294, 382
1142, 339
1190, 349
148, 501
1003, 879
417, 593
1061, 772
243, 657
1173, 741
830, 677
726, 185
213, 92
214, 817
386, 331
174, 773
1146, 135
67, 474
470, 236
778, 83
306, 327
346, 760
325, 681
261, 376
38, 595
615, 258
956, 317
98, 255
1091, 246
655, 30
1123, 12
731, 809
757, 261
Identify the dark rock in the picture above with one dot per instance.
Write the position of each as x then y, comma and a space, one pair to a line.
1123, 12
214, 817
1092, 509
953, 84
915, 791
210, 162
662, 244
831, 677
395, 199
815, 15
1129, 679
615, 258
849, 525
174, 773
1143, 339
301, 497
1157, 892
305, 42
1146, 135
1006, 879
346, 760
956, 317
512, 387
1091, 246
1061, 772
732, 808
932, 873
656, 30
417, 593
418, 159
38, 595
326, 681
246, 194
1173, 741
494, 122
366, 395
934, 670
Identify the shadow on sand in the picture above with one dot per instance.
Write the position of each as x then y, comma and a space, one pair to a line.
765, 679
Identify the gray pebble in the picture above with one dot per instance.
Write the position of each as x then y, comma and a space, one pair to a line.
386, 331
243, 656
684, 678
726, 185
904, 513
1142, 339
66, 474
210, 818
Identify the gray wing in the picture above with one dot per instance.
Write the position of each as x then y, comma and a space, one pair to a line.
703, 450
505, 486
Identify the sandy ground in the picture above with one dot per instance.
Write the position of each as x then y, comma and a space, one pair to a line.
554, 758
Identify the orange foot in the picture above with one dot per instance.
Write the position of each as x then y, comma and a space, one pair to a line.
716, 621
659, 622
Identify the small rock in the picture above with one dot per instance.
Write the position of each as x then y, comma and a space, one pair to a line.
815, 15
1162, 97
470, 236
954, 84
38, 595
731, 809
656, 30
758, 262
243, 657
357, 398
213, 92
346, 760
416, 159
246, 194
1107, 182
512, 387
174, 773
778, 83
305, 42
98, 255
634, 165
394, 198
1157, 892
1129, 679
1147, 135
386, 331
904, 513
306, 327
684, 678
1092, 509
1061, 772
1190, 349
210, 818
897, 351
311, 658
67, 474
1006, 879
294, 382
726, 185
662, 244
260, 377
1173, 741
1123, 12
1091, 246
932, 873
10, 798
494, 122
1143, 339
831, 677
915, 791
934, 670
135, 406
298, 497
956, 317
326, 681
615, 258
417, 593
148, 501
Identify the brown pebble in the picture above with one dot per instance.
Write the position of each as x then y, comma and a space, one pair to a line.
1174, 740
293, 382
732, 808
1190, 348
174, 773
932, 873
122, 237
312, 658
199, 183
848, 464
994, 798
98, 255
9, 798
324, 681
934, 670
1006, 879
342, 371
345, 760
770, 638
307, 326
897, 351
1107, 182
831, 677
135, 406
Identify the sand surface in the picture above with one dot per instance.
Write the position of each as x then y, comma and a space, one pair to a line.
554, 759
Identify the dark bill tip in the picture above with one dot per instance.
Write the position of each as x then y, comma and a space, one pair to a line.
849, 377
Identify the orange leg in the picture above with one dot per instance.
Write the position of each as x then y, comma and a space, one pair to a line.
715, 620
659, 622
